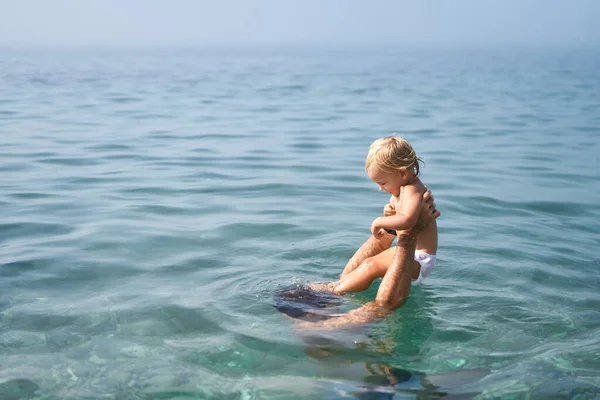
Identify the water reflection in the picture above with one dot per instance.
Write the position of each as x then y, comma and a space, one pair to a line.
355, 372
363, 361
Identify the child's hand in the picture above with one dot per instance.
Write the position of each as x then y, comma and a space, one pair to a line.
376, 229
389, 210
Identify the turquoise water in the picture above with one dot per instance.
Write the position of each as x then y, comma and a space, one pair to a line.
154, 201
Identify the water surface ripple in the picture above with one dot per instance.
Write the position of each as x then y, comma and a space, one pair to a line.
154, 201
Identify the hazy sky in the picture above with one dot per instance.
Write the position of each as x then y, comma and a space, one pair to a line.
200, 22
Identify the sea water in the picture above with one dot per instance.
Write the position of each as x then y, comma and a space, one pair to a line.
154, 201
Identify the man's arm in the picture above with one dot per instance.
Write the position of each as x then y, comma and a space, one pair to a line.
375, 244
392, 293
395, 286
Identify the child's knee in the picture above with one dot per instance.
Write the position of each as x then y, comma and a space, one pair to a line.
372, 268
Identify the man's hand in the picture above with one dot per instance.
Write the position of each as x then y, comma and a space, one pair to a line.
428, 211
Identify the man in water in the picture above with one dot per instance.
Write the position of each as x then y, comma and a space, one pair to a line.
395, 285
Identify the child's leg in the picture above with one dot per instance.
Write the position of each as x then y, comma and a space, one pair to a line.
362, 277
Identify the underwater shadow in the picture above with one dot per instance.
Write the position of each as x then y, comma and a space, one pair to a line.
350, 368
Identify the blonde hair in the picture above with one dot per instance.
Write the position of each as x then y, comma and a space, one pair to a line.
392, 153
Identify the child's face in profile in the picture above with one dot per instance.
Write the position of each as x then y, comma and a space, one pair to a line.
390, 182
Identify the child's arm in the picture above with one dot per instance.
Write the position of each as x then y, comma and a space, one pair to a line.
406, 217
390, 208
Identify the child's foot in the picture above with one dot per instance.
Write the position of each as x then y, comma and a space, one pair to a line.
323, 287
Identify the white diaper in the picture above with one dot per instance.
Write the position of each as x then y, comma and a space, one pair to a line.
427, 262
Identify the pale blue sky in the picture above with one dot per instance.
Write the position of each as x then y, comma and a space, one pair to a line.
201, 22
